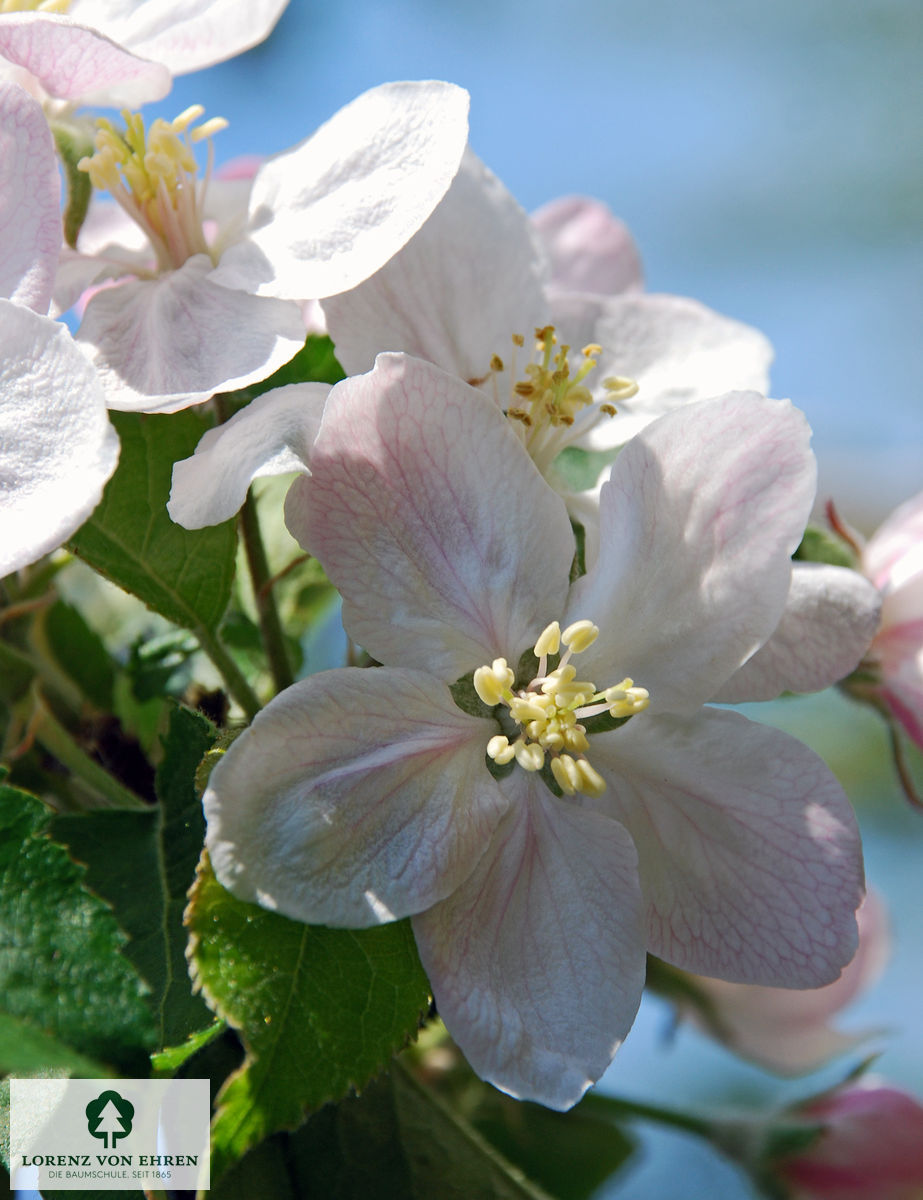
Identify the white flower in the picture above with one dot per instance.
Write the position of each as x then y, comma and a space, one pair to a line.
123, 52
58, 448
206, 300
537, 886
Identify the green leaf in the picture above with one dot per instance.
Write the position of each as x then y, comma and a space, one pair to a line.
818, 545
320, 1010
396, 1139
167, 1062
570, 1154
25, 1050
143, 863
183, 574
62, 973
315, 362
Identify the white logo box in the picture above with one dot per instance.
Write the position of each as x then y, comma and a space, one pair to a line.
109, 1134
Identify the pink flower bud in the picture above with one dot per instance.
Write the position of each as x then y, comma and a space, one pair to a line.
871, 1146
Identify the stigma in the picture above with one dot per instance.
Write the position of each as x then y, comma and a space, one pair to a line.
152, 174
550, 405
547, 712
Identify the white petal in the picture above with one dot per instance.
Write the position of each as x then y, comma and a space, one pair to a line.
456, 293
79, 64
186, 37
537, 961
677, 350
749, 854
329, 213
590, 249
447, 545
895, 538
273, 435
697, 525
830, 618
787, 1030
163, 344
30, 198
58, 446
356, 797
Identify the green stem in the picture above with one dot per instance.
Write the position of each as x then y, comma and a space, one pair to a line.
619, 1108
267, 613
232, 675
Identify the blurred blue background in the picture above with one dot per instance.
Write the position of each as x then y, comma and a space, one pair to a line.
768, 159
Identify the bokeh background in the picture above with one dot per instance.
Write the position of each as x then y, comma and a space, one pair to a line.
768, 158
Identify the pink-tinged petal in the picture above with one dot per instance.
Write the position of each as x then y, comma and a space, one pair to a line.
273, 435
30, 199
830, 618
58, 446
898, 536
329, 213
871, 1147
900, 656
355, 797
110, 246
537, 961
677, 350
75, 63
163, 344
456, 293
788, 1030
448, 547
698, 522
590, 249
750, 857
186, 37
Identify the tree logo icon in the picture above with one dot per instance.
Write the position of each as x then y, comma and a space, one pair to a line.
109, 1117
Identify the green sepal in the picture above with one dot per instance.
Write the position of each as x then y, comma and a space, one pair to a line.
73, 143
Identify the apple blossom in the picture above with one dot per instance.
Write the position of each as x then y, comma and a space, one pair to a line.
871, 1145
472, 292
207, 299
539, 855
790, 1032
58, 446
892, 673
123, 52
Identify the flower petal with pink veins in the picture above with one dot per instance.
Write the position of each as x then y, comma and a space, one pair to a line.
78, 64
30, 200
749, 852
448, 547
590, 249
186, 37
698, 521
58, 445
830, 618
676, 349
462, 286
537, 961
273, 435
163, 344
329, 213
355, 797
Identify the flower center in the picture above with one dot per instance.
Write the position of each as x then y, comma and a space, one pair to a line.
46, 6
152, 174
549, 709
550, 405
